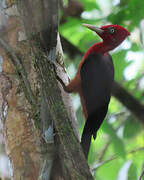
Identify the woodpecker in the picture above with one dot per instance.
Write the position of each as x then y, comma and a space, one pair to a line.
94, 79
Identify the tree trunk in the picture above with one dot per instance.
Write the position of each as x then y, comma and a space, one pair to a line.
38, 119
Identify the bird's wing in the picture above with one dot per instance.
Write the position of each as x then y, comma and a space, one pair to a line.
97, 75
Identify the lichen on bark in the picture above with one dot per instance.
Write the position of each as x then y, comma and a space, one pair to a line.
31, 149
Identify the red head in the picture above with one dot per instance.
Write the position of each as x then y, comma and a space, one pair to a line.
112, 35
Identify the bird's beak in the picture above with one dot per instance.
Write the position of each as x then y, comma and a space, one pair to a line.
94, 28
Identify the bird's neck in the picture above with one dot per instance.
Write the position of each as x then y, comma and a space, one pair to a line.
100, 47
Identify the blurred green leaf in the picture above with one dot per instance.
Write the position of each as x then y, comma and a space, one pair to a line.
77, 34
109, 170
120, 64
135, 47
132, 173
127, 13
123, 172
89, 5
121, 15
80, 119
65, 2
131, 127
116, 141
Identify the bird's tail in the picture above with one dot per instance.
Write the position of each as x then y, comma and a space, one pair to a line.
86, 140
91, 127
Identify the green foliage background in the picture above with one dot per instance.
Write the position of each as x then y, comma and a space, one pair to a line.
118, 152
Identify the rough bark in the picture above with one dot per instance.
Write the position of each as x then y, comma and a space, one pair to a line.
32, 103
21, 139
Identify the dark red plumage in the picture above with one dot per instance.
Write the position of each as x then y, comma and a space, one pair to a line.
94, 78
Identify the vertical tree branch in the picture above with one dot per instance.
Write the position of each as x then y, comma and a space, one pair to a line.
33, 62
142, 174
45, 54
129, 101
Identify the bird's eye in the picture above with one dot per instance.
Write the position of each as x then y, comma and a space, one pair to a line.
111, 30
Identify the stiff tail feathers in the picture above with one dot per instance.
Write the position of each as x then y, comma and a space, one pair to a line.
91, 127
86, 140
